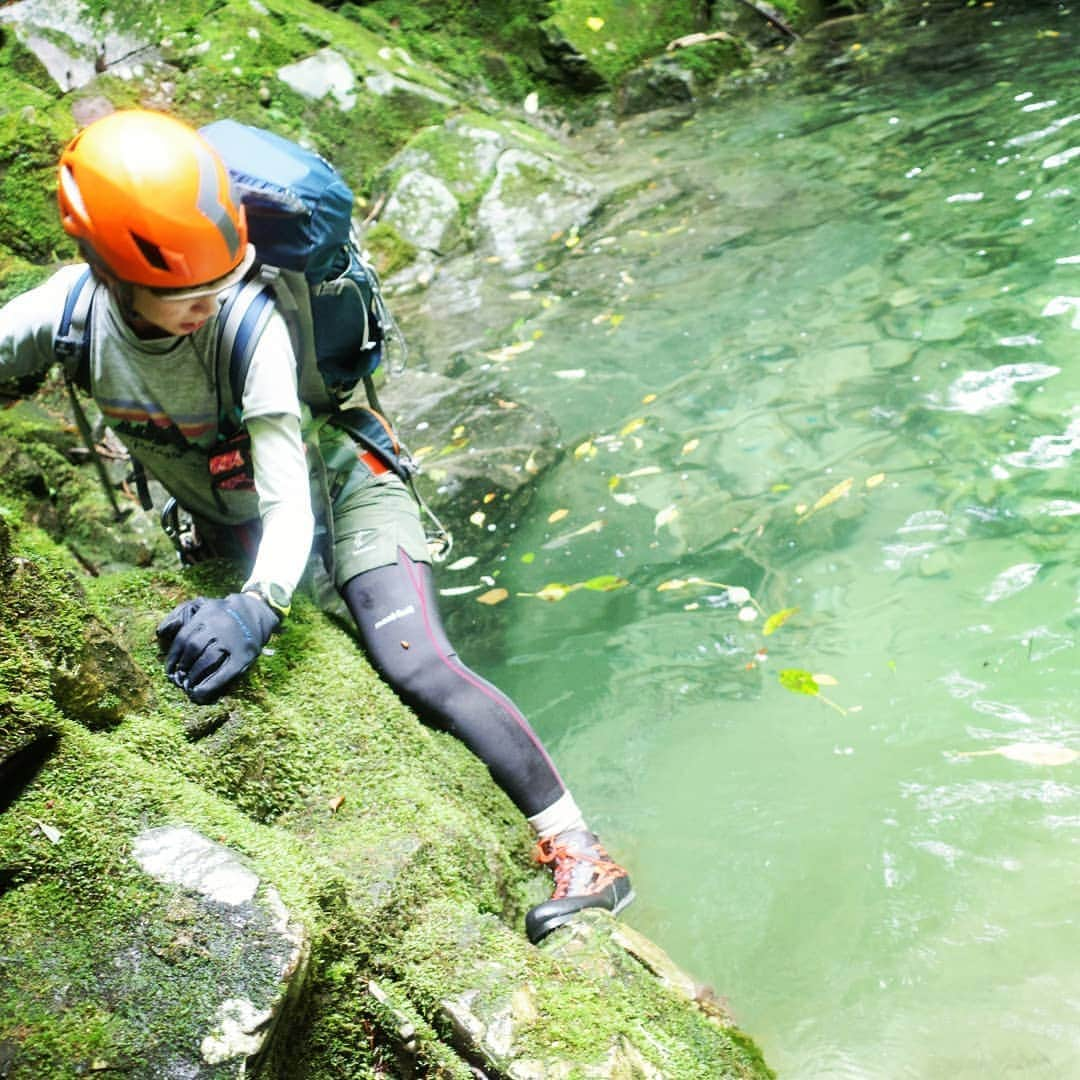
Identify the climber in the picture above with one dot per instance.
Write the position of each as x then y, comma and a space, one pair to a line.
151, 206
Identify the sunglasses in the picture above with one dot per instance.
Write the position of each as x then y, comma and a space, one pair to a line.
209, 288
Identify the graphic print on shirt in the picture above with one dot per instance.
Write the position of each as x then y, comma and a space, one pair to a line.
148, 422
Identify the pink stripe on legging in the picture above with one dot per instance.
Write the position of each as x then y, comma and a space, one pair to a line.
463, 672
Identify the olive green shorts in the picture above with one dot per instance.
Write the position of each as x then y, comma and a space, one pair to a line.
374, 517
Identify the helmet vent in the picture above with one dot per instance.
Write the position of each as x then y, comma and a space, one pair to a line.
150, 252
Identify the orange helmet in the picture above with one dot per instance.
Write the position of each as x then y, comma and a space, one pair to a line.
149, 199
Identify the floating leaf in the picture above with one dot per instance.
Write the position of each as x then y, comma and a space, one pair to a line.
798, 681
553, 592
673, 583
463, 563
777, 619
779, 488
493, 596
559, 541
834, 494
645, 470
690, 446
557, 515
873, 481
510, 351
605, 583
665, 517
632, 426
586, 449
1028, 753
616, 320
625, 498
478, 517
825, 680
648, 399
458, 590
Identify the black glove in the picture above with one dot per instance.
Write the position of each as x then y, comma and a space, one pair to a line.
211, 642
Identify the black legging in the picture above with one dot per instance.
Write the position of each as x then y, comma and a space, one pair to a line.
396, 604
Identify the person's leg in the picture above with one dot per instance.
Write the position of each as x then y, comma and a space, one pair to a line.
387, 585
394, 608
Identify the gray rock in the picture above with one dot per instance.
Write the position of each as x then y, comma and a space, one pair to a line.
531, 197
423, 211
656, 85
327, 73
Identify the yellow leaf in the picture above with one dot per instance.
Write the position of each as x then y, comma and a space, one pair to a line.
458, 432
690, 446
594, 23
489, 497
632, 426
801, 508
613, 482
573, 241
648, 399
586, 449
557, 515
617, 319
492, 596
873, 481
775, 621
833, 494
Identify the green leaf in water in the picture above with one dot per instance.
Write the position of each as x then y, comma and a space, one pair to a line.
799, 681
605, 583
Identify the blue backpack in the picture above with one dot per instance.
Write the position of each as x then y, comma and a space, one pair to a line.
299, 214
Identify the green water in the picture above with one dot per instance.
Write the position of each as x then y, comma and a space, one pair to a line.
864, 283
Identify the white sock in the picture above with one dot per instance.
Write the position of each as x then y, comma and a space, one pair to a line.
561, 816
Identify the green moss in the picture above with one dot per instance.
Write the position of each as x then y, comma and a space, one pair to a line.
629, 30
30, 145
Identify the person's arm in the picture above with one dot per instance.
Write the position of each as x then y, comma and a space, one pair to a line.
213, 641
28, 325
281, 481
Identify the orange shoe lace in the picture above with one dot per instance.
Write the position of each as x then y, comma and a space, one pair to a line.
566, 857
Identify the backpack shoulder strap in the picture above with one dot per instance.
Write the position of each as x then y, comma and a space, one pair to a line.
72, 342
240, 325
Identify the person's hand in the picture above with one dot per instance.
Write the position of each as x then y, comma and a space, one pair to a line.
211, 642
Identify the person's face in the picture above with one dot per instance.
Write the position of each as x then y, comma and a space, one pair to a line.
175, 317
